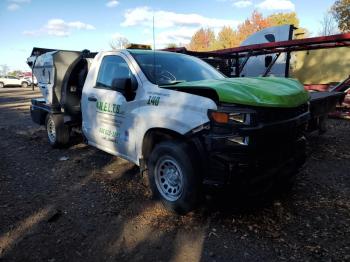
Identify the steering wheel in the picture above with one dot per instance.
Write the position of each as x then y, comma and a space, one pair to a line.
166, 76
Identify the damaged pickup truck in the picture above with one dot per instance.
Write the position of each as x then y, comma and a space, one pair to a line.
175, 116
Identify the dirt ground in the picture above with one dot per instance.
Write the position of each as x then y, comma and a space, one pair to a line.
96, 207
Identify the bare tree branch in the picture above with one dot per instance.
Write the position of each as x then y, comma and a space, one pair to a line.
328, 25
119, 43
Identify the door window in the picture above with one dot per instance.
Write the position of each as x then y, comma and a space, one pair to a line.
112, 67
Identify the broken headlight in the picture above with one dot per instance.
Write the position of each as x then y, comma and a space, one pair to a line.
242, 118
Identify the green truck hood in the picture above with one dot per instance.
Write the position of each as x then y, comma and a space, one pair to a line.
257, 91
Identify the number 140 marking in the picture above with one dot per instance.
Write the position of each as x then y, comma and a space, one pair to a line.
153, 100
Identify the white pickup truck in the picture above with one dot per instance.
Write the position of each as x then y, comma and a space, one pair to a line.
13, 81
176, 117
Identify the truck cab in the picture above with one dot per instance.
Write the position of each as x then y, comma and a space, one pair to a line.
121, 102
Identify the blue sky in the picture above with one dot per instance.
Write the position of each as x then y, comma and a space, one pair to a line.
78, 24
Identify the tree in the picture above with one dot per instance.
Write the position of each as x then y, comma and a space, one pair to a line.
251, 25
284, 19
171, 45
328, 25
15, 73
119, 42
4, 70
289, 19
202, 40
227, 38
341, 13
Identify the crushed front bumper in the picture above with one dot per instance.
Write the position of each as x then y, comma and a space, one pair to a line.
272, 151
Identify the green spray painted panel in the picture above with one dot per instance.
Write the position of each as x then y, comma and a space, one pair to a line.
257, 91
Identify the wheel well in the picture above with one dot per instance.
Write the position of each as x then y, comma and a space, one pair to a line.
155, 136
43, 118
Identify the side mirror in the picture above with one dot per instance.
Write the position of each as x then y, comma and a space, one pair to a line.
134, 83
126, 86
119, 84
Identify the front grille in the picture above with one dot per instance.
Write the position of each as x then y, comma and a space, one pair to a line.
269, 115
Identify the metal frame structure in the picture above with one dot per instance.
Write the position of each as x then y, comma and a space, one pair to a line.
234, 55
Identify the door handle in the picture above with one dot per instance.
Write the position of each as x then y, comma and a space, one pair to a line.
92, 99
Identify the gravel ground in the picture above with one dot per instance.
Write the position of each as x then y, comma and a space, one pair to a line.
81, 204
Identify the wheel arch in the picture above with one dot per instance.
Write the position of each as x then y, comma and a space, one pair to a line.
157, 135
43, 116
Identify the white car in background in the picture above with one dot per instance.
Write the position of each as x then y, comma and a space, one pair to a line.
29, 80
13, 81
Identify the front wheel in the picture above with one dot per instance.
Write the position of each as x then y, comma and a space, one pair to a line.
173, 177
57, 132
24, 84
2, 85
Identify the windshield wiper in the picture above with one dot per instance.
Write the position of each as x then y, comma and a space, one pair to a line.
171, 83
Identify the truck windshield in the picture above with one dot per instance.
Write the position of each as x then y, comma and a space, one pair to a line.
173, 68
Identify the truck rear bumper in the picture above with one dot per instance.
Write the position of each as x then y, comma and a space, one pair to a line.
39, 110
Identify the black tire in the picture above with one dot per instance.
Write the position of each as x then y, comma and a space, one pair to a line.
322, 125
178, 156
24, 84
57, 132
2, 85
286, 181
283, 185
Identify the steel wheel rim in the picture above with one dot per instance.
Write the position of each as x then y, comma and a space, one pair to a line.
51, 130
2, 85
169, 179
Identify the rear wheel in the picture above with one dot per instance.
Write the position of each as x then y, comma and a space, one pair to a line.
24, 84
57, 132
173, 176
322, 125
2, 85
